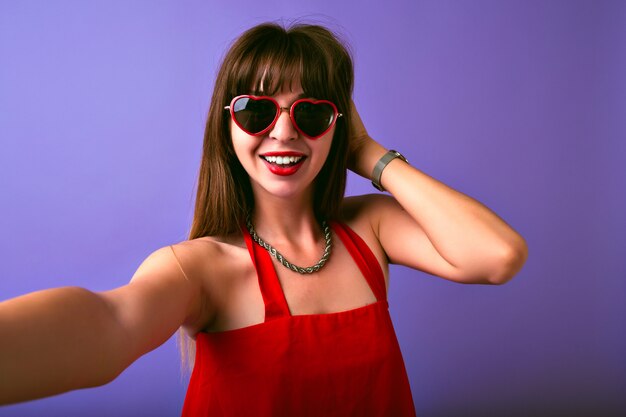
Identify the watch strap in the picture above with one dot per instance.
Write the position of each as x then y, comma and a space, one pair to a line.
381, 164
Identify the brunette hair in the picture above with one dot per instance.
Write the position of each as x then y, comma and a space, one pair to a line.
268, 57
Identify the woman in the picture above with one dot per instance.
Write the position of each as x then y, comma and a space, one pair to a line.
305, 331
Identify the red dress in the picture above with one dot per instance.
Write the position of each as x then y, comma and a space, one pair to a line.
338, 364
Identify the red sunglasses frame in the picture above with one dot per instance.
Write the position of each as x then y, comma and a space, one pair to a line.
279, 110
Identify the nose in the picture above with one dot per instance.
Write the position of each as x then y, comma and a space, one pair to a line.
284, 129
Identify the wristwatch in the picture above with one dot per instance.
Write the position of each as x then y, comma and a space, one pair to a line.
381, 164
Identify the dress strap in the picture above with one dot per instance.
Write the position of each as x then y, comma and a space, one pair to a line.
364, 258
273, 297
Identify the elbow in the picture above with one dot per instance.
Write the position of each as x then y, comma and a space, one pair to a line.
510, 263
108, 368
105, 377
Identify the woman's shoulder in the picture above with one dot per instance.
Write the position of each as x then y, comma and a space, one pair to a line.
362, 213
364, 209
212, 256
211, 243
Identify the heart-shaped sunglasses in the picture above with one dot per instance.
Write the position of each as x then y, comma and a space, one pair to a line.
257, 115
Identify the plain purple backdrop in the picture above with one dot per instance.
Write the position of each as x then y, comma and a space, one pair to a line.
519, 104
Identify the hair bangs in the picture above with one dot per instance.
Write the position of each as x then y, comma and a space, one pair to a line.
284, 62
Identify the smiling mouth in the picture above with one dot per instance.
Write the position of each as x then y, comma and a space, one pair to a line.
283, 161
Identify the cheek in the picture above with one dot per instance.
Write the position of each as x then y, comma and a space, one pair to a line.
241, 151
325, 143
243, 144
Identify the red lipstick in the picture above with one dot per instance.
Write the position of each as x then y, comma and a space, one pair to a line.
275, 163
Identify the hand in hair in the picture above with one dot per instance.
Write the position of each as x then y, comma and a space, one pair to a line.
364, 151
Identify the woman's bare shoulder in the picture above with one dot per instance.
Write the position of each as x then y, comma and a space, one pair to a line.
364, 209
214, 252
212, 243
361, 214
215, 263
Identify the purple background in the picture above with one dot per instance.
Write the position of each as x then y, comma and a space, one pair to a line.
519, 104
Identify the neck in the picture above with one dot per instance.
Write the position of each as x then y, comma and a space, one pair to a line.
286, 220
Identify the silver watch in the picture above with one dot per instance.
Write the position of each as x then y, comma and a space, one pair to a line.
381, 164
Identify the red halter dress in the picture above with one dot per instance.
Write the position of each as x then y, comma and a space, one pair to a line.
338, 364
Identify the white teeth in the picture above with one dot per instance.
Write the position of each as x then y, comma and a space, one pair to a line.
282, 160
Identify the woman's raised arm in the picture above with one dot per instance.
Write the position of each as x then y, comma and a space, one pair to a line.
432, 227
61, 339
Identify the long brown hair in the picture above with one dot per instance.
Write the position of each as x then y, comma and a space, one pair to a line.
268, 57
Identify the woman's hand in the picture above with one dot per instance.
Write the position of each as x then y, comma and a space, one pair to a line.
364, 151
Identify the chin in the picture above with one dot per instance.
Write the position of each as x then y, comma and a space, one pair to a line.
287, 192
283, 190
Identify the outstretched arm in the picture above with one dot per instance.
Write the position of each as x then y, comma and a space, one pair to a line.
432, 227
62, 339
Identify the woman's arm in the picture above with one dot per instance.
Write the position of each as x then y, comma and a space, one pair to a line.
432, 227
62, 339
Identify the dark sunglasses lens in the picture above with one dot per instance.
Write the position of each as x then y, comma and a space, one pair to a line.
313, 118
254, 115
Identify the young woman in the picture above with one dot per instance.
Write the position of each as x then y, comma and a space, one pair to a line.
282, 284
